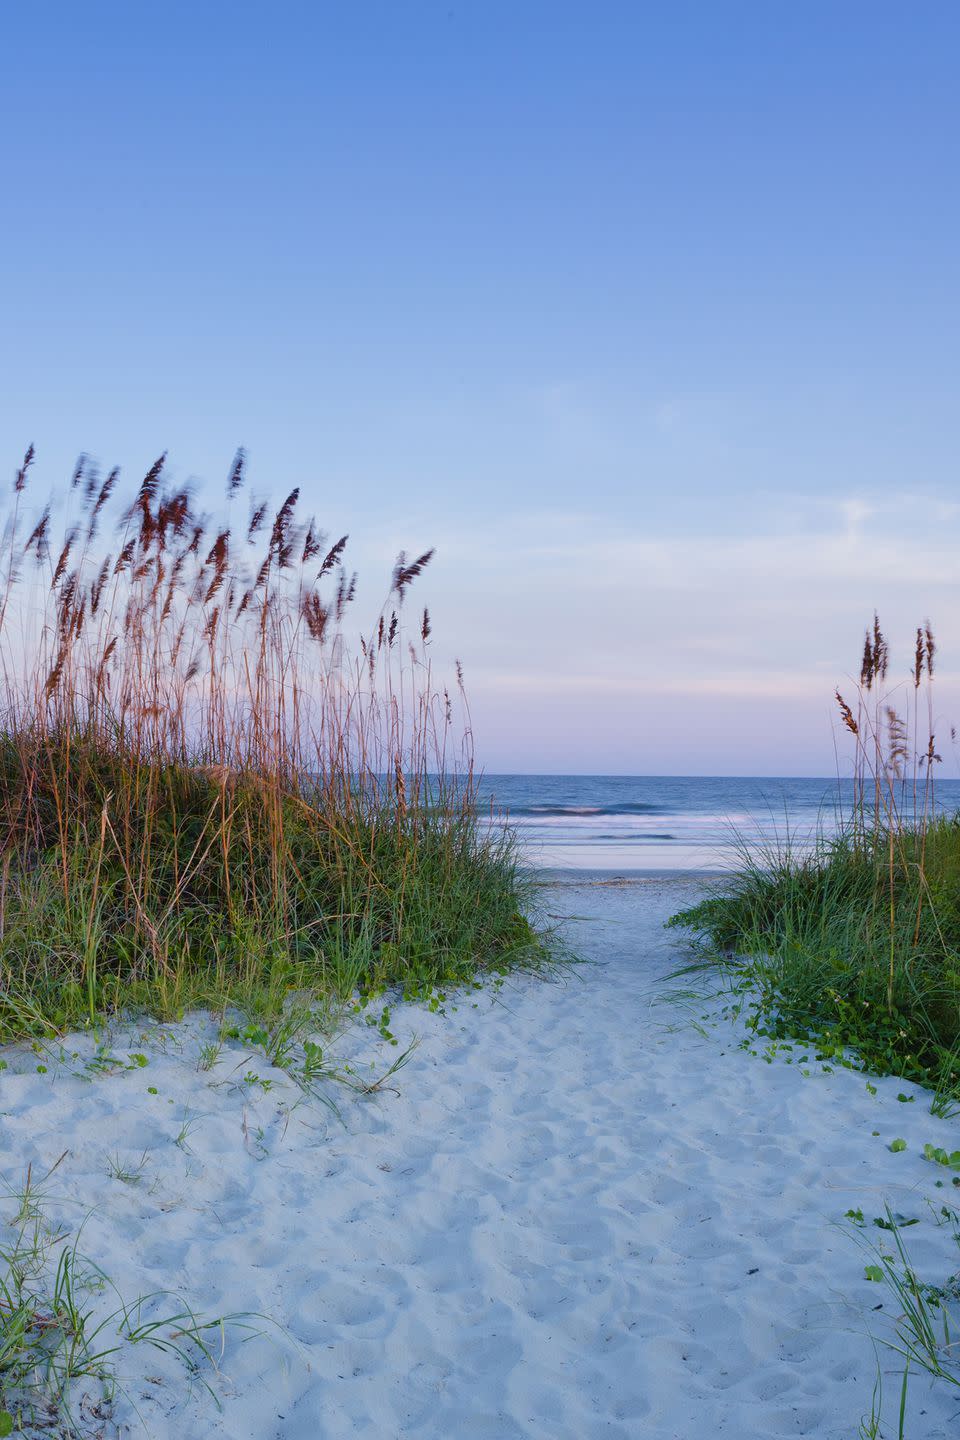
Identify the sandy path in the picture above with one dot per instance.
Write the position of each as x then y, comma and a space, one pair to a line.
580, 1218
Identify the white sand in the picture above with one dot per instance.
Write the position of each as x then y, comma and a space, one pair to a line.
580, 1218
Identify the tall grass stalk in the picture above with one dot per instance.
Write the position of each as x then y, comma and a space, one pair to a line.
208, 794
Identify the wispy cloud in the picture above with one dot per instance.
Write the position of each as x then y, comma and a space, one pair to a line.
604, 634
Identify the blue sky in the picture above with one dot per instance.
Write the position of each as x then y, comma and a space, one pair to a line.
646, 315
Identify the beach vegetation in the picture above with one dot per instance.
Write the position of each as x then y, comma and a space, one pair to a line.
65, 1328
129, 1172
923, 1314
852, 942
215, 790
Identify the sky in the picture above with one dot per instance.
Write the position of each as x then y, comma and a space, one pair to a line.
646, 316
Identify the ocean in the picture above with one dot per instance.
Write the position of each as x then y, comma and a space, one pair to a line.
666, 822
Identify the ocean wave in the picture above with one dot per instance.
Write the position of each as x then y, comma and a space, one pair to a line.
628, 840
627, 807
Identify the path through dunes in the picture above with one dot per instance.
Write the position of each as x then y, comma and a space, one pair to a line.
581, 1217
